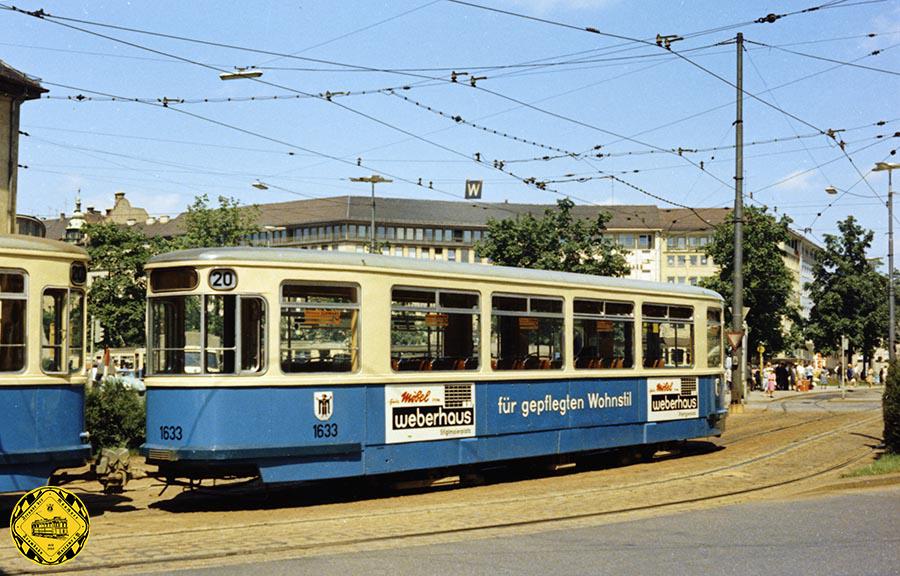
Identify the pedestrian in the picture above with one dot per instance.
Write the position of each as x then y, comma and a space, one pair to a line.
881, 376
771, 380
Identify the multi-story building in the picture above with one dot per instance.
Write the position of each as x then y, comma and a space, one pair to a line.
662, 245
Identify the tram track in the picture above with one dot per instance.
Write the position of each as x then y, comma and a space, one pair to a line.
326, 523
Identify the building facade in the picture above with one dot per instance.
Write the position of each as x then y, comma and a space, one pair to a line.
661, 245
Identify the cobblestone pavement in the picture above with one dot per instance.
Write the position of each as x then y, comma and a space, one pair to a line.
764, 454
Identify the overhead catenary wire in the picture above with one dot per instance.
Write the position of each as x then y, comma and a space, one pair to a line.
832, 60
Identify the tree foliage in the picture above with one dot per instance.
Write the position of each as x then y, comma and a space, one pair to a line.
768, 290
227, 225
849, 295
556, 241
116, 295
891, 408
114, 415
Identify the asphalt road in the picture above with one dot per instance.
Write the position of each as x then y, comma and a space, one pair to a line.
851, 533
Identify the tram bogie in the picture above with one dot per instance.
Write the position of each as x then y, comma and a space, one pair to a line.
42, 372
325, 365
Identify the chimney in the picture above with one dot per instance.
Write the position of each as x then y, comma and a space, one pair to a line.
151, 220
119, 196
163, 219
62, 215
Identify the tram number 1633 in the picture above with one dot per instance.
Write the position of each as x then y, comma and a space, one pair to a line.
170, 433
325, 430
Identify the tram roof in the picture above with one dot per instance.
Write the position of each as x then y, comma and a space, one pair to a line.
334, 258
35, 244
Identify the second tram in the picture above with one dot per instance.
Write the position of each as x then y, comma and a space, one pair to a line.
42, 374
299, 365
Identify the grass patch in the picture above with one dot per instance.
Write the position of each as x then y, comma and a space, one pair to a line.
886, 464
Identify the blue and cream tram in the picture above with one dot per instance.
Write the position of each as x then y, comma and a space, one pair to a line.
301, 365
42, 374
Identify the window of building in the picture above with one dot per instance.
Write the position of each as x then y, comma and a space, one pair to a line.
457, 235
233, 327
464, 255
401, 233
319, 328
645, 242
670, 260
526, 332
391, 232
704, 260
667, 336
362, 231
693, 260
380, 232
476, 235
671, 279
451, 254
398, 251
467, 236
429, 234
692, 280
434, 329
694, 241
13, 300
681, 279
714, 344
410, 234
604, 334
626, 240
682, 260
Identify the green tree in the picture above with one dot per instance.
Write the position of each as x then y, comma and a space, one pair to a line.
114, 415
117, 293
768, 284
227, 225
848, 294
891, 408
556, 241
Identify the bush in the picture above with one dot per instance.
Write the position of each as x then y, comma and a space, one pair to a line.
114, 416
891, 406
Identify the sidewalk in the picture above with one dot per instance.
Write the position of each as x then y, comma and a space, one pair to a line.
760, 398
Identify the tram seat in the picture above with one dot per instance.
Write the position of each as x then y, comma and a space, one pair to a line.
545, 364
584, 362
530, 363
518, 364
493, 364
426, 364
395, 364
460, 364
556, 364
660, 363
618, 362
443, 364
472, 364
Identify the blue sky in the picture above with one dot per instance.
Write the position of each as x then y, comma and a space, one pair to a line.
162, 158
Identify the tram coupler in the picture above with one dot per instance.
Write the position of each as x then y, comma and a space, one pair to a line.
112, 469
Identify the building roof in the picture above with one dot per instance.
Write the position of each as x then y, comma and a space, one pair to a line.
287, 256
18, 84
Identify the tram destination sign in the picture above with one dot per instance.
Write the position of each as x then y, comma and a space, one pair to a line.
416, 412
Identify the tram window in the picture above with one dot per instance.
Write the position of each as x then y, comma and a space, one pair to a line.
668, 336
714, 346
175, 345
434, 330
170, 279
604, 334
319, 328
220, 344
12, 321
76, 330
53, 307
526, 333
253, 334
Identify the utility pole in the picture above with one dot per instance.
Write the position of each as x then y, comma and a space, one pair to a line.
737, 305
374, 179
889, 167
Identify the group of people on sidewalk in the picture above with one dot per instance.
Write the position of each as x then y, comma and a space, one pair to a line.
785, 375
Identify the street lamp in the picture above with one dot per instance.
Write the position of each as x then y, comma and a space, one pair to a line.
260, 185
374, 179
240, 73
889, 168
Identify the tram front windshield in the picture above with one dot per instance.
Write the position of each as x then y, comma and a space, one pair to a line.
207, 334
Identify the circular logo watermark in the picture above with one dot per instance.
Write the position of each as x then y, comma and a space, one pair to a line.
50, 525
